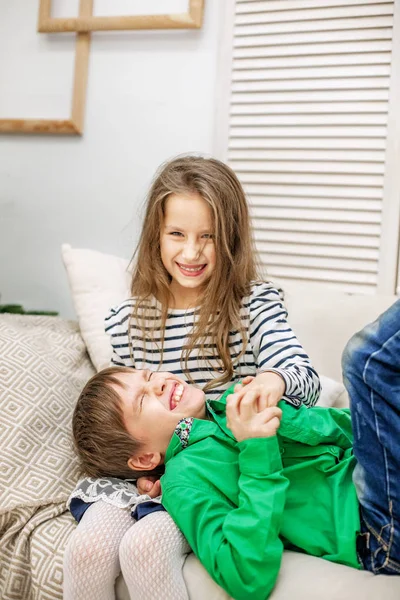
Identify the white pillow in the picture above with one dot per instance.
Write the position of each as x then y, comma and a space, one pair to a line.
97, 281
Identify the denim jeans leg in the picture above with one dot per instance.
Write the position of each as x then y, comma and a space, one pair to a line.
371, 372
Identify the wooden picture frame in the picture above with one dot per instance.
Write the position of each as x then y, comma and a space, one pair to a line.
73, 125
193, 19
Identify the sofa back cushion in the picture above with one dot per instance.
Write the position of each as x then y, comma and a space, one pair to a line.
324, 320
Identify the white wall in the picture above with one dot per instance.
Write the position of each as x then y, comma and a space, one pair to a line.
151, 95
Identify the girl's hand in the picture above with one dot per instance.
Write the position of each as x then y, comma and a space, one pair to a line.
149, 485
269, 386
245, 420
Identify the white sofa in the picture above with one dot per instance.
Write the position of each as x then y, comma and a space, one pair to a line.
43, 365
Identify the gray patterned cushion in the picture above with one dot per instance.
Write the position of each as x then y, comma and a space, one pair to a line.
43, 367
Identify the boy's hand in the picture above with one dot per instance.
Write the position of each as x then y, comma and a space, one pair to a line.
269, 386
246, 421
149, 485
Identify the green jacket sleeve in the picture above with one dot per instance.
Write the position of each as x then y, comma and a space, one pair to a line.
237, 541
317, 425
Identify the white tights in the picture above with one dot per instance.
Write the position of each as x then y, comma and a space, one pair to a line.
150, 553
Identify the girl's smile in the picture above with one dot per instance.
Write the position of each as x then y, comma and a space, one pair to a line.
191, 270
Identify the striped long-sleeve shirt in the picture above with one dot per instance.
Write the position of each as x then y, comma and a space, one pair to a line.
271, 346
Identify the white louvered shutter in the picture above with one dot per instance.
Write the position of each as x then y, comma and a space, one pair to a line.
307, 134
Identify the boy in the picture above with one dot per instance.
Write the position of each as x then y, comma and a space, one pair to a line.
244, 481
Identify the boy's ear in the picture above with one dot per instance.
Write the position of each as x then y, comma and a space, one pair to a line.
145, 462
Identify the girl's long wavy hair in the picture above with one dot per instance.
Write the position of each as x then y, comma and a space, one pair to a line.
219, 302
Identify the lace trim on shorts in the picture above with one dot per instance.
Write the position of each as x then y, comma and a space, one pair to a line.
119, 492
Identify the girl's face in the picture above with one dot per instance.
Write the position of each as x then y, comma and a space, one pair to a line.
187, 245
153, 404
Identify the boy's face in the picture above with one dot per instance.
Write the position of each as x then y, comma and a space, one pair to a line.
153, 404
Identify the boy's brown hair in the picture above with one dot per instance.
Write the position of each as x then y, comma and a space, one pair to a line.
100, 437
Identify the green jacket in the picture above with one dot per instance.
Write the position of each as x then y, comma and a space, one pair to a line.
239, 504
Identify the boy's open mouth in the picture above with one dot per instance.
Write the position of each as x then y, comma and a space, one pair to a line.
176, 395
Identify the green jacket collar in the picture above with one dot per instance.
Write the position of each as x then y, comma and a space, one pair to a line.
203, 427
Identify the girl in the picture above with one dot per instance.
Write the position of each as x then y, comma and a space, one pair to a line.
198, 310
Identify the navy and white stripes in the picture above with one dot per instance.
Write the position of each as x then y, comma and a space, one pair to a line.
272, 346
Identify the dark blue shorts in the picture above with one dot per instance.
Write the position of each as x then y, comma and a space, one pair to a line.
78, 508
